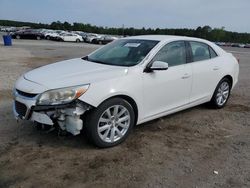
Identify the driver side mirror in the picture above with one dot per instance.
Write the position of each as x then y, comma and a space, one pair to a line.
156, 65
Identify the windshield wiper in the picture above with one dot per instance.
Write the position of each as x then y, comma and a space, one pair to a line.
94, 61
85, 58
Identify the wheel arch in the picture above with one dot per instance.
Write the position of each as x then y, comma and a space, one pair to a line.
213, 99
130, 100
230, 79
228, 76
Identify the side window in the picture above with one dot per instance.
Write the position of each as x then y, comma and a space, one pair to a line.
173, 53
212, 53
200, 51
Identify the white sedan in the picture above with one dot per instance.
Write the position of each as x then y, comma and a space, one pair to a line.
127, 82
70, 37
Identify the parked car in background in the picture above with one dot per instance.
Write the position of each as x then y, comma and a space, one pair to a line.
104, 39
238, 45
53, 35
81, 33
9, 29
235, 45
70, 37
127, 82
226, 44
90, 37
220, 43
242, 45
46, 32
247, 46
28, 34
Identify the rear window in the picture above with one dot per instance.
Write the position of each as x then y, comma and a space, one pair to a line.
200, 51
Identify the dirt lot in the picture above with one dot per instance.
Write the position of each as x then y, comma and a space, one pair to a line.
181, 150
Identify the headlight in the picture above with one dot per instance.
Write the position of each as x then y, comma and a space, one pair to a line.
61, 96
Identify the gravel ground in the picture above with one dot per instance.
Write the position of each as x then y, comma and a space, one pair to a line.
199, 147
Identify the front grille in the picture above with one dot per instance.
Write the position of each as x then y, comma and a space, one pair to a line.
29, 95
21, 108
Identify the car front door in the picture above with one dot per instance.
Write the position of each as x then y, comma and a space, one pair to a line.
206, 71
166, 90
72, 38
26, 35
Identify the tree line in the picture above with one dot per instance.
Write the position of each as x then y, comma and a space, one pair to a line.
206, 32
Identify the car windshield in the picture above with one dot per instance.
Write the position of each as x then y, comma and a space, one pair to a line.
123, 52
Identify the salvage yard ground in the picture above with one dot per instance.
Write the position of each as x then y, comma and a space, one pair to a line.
199, 147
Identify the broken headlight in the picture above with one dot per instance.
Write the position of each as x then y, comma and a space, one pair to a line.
61, 96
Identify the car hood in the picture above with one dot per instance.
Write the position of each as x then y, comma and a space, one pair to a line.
73, 72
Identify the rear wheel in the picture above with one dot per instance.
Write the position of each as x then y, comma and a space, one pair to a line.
38, 38
77, 40
221, 94
18, 37
110, 123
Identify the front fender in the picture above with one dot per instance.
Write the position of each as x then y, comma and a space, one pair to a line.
101, 91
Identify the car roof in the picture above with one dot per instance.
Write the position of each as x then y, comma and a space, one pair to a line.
169, 38
165, 38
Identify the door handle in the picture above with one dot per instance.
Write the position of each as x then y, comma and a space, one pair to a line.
185, 76
216, 68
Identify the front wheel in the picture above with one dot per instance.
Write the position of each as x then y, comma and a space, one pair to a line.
110, 123
221, 94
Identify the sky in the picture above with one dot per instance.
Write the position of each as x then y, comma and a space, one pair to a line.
231, 14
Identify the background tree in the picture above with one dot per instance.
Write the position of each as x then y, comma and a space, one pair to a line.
206, 32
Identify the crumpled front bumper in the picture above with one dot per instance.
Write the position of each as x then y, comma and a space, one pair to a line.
23, 109
67, 116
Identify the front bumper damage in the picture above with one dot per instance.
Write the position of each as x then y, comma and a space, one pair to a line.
67, 116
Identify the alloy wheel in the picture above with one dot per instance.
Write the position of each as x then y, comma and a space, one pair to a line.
222, 93
113, 123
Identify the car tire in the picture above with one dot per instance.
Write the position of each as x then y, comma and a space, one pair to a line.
48, 38
78, 40
110, 123
38, 38
221, 94
18, 37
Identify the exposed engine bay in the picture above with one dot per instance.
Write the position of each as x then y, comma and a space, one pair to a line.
67, 117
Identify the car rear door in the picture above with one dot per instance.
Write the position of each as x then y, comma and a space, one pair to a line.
67, 37
206, 71
169, 89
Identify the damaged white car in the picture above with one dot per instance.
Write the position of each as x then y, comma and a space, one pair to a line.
127, 82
